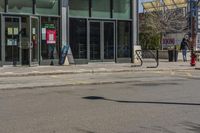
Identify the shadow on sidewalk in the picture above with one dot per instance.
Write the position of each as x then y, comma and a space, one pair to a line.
140, 102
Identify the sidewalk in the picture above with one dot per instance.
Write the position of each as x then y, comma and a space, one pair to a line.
9, 71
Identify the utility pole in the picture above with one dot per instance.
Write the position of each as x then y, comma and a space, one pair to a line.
192, 7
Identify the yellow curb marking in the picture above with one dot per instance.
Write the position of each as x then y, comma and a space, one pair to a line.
172, 73
60, 71
54, 76
189, 74
35, 71
8, 72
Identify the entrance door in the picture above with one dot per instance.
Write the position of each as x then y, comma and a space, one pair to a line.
95, 41
101, 41
34, 41
109, 41
12, 40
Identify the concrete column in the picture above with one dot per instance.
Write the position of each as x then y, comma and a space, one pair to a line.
135, 26
65, 30
64, 21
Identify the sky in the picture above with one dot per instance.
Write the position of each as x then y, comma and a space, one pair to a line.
140, 6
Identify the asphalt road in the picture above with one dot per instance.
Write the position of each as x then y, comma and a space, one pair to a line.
145, 102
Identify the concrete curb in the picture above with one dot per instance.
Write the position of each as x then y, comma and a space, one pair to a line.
69, 84
93, 72
79, 84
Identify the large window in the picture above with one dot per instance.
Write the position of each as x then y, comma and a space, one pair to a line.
78, 38
20, 6
2, 5
49, 7
122, 9
101, 8
124, 39
50, 38
79, 8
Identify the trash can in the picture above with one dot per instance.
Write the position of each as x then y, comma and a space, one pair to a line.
170, 55
173, 55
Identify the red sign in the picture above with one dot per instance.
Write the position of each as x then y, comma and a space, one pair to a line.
51, 36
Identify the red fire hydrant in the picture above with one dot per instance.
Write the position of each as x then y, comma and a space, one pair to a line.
193, 59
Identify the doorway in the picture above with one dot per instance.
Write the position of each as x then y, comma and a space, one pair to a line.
101, 41
34, 41
21, 41
12, 37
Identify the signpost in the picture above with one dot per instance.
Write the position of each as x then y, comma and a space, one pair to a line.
193, 12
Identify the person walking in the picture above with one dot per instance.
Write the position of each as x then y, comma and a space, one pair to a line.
184, 47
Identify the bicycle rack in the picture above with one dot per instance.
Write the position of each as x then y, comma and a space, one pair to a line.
140, 54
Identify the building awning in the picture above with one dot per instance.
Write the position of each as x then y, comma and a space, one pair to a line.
172, 4
152, 6
156, 5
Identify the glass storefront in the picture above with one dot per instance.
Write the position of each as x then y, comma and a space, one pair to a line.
29, 38
50, 44
101, 8
79, 8
122, 9
106, 33
78, 38
99, 30
124, 39
47, 7
2, 5
24, 6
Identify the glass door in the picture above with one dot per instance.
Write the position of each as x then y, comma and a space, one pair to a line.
34, 41
95, 41
101, 40
12, 40
109, 41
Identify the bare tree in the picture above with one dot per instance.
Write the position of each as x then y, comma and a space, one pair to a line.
163, 20
168, 21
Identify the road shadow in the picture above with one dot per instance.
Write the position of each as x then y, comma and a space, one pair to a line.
82, 130
191, 126
155, 84
140, 102
157, 129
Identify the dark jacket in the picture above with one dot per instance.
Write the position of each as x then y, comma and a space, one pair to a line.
184, 44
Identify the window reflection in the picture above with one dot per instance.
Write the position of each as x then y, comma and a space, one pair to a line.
2, 4
121, 9
49, 7
124, 39
79, 8
78, 38
101, 8
20, 6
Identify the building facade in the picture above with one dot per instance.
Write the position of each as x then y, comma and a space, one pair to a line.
34, 31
